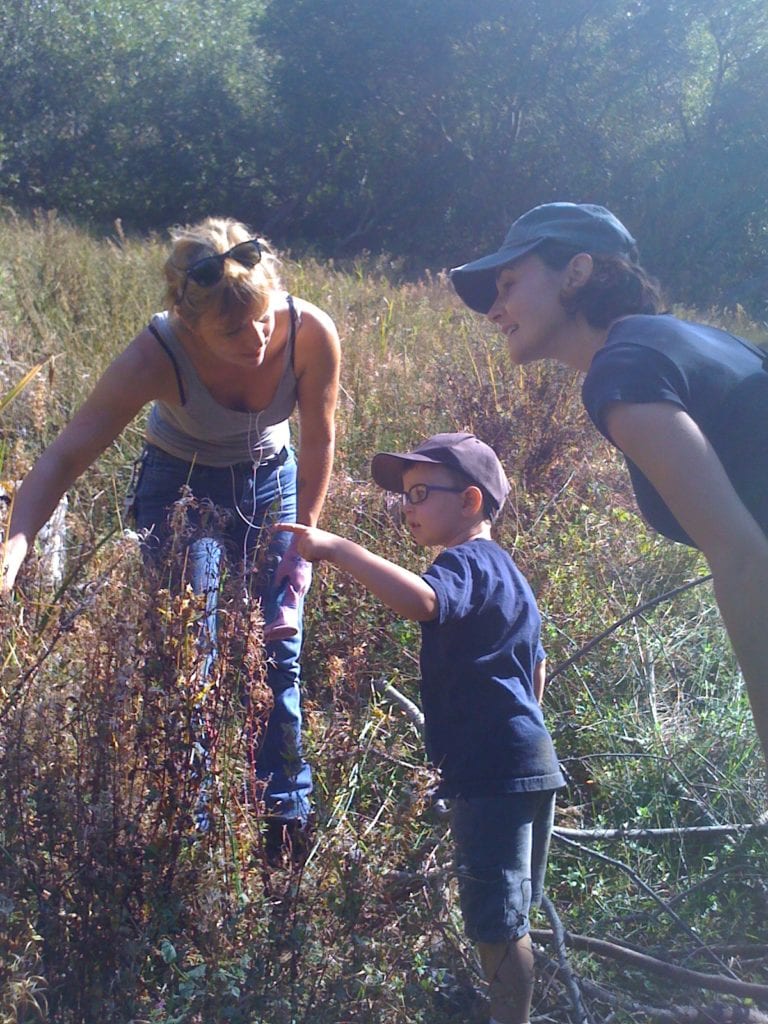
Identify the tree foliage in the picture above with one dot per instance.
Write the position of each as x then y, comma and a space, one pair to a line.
413, 128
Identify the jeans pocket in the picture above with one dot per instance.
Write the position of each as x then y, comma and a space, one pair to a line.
157, 487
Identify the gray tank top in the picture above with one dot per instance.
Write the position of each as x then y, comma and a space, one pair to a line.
204, 431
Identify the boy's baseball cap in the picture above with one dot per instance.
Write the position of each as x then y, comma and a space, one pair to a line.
465, 452
587, 227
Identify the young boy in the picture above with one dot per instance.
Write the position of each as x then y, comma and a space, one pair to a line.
482, 671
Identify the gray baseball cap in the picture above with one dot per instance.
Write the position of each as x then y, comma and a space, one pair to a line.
465, 452
587, 227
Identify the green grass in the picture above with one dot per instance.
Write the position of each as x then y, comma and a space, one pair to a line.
111, 911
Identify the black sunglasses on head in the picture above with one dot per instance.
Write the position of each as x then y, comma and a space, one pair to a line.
209, 270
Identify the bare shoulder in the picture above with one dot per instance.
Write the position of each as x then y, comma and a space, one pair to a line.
314, 320
317, 339
134, 378
146, 370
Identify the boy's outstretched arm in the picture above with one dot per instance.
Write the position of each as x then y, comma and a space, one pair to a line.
401, 590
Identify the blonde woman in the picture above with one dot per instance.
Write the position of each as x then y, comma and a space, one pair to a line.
224, 367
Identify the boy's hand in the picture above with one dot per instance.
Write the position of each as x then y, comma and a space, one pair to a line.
293, 570
293, 576
400, 589
312, 544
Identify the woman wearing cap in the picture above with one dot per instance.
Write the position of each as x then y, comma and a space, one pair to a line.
224, 367
687, 404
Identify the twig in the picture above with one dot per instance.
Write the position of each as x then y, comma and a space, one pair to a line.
587, 647
412, 711
642, 961
652, 833
559, 937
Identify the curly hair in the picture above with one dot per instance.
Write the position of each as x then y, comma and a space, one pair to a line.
618, 285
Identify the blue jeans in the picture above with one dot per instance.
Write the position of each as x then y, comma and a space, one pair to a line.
255, 497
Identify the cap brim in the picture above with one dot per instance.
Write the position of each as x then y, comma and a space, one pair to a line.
475, 282
387, 468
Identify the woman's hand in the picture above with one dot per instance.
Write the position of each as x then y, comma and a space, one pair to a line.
14, 551
293, 572
294, 576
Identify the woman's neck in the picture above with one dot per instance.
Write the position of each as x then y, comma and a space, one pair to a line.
582, 344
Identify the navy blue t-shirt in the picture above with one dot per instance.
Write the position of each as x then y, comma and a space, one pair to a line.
484, 728
717, 378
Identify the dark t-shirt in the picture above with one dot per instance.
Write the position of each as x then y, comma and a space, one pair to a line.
717, 378
484, 728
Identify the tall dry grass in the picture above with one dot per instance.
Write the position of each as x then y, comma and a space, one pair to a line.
113, 908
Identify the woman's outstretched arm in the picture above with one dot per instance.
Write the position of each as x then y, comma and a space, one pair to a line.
673, 453
128, 383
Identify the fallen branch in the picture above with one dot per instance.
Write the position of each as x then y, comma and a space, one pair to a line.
714, 1013
558, 936
412, 711
644, 962
654, 833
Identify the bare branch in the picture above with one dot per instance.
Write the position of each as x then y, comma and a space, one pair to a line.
659, 833
716, 1013
412, 711
587, 647
643, 962
653, 895
559, 939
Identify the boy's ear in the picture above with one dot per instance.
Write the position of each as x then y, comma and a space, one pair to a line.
473, 500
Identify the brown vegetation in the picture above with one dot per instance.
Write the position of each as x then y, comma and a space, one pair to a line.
113, 908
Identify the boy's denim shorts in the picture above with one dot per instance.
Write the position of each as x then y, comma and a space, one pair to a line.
501, 845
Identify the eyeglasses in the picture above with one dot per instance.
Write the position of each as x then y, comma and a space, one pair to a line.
210, 269
420, 492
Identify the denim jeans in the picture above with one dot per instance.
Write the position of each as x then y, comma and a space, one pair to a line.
501, 845
255, 497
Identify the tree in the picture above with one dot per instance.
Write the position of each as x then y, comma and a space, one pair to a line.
415, 128
133, 110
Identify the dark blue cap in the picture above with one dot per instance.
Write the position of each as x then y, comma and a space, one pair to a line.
462, 451
586, 227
